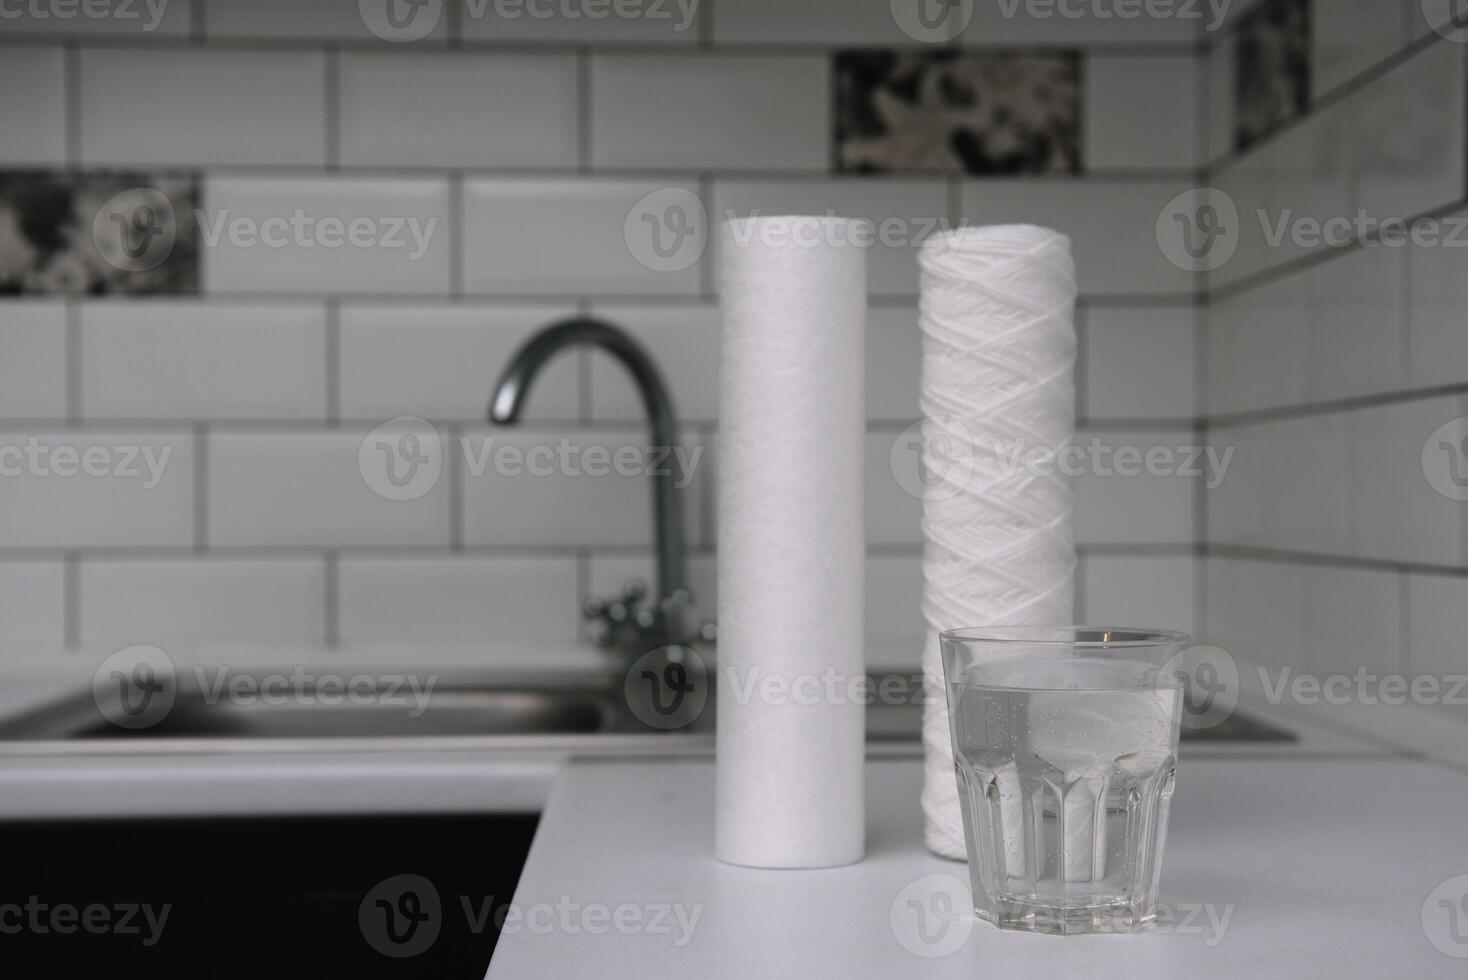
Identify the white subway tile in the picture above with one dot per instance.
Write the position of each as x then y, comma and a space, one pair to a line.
1112, 226
310, 488
683, 340
32, 359
139, 19
893, 515
566, 488
1257, 611
1356, 329
457, 110
33, 602
1238, 507
1141, 111
1139, 362
458, 600
608, 575
710, 111
1310, 484
76, 488
894, 363
32, 105
1399, 516
344, 20
895, 627
576, 236
325, 234
1258, 352
1437, 620
174, 107
903, 211
1150, 591
1310, 174
442, 361
194, 599
1410, 149
1438, 310
184, 359
1355, 618
582, 21
1246, 182
1350, 36
1112, 508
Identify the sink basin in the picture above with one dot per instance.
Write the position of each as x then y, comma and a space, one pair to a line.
446, 712
449, 712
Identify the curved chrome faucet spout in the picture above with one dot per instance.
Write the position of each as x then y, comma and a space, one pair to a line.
513, 388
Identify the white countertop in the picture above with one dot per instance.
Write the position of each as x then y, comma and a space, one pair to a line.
1322, 868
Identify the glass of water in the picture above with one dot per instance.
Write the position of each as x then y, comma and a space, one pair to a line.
1065, 745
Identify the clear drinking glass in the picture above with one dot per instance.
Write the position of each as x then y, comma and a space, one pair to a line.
1065, 745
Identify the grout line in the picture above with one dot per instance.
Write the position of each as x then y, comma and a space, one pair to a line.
1359, 402
333, 408
1317, 560
708, 285
454, 24
457, 259
198, 22
1404, 624
583, 110
331, 614
583, 590
72, 101
73, 352
332, 130
71, 603
456, 487
706, 25
201, 488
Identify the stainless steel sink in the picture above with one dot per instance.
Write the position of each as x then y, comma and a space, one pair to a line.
444, 713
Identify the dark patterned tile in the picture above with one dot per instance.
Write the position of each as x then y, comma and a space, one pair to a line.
953, 111
72, 233
1271, 68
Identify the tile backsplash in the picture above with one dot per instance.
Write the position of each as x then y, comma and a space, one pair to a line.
1336, 348
253, 231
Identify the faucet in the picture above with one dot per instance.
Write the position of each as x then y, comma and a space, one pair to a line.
620, 621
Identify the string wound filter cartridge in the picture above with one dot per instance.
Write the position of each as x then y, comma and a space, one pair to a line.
997, 314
